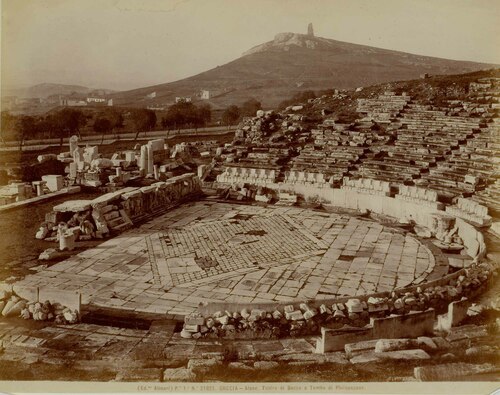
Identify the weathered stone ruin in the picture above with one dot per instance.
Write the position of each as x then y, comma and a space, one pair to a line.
114, 212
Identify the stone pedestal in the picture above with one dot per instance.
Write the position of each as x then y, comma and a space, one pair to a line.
73, 169
143, 160
201, 170
54, 182
73, 144
67, 241
39, 187
150, 163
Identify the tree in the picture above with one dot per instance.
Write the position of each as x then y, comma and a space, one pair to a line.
250, 107
231, 115
102, 126
115, 117
71, 120
44, 128
205, 114
24, 127
6, 123
185, 114
144, 120
56, 126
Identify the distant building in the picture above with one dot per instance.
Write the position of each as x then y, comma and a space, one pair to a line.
310, 30
152, 95
425, 76
110, 103
205, 95
182, 99
72, 102
155, 108
96, 100
29, 100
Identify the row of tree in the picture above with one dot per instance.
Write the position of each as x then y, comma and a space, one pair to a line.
69, 121
60, 124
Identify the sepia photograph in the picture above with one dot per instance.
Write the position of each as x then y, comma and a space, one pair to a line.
250, 196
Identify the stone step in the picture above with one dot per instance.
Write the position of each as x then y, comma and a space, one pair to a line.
449, 371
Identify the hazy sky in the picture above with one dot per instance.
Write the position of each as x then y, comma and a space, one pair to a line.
124, 44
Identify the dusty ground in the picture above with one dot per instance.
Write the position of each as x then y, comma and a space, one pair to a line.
18, 246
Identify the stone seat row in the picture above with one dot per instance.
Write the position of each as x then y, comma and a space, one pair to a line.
471, 211
367, 185
387, 175
238, 174
418, 193
292, 177
382, 165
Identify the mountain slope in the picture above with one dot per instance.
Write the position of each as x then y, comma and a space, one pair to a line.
293, 62
48, 89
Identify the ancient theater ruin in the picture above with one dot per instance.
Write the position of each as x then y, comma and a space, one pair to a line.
308, 230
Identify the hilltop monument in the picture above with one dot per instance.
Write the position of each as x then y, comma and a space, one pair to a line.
310, 30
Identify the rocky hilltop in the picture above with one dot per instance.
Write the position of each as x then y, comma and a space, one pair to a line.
293, 62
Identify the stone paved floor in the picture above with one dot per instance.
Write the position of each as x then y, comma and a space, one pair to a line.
208, 251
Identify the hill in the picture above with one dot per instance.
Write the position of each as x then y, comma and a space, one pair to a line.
45, 90
295, 62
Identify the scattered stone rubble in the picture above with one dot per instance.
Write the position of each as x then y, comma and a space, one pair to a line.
284, 321
113, 212
12, 305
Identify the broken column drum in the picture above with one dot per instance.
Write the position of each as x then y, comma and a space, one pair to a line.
143, 160
150, 165
73, 144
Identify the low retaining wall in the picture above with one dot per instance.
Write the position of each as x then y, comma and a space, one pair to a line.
409, 325
71, 299
457, 312
402, 326
469, 273
270, 320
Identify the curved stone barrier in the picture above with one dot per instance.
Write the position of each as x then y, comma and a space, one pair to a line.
305, 317
274, 320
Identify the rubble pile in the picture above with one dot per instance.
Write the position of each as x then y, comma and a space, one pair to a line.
113, 212
12, 305
286, 321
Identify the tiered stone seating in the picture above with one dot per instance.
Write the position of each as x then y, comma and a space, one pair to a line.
471, 211
306, 178
490, 197
383, 108
334, 152
242, 175
368, 186
422, 196
389, 169
467, 169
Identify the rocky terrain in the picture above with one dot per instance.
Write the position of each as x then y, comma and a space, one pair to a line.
294, 62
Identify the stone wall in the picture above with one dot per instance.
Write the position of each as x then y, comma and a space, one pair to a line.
306, 317
408, 325
401, 326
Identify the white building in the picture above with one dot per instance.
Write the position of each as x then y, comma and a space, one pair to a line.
205, 95
95, 100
